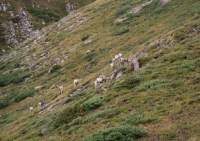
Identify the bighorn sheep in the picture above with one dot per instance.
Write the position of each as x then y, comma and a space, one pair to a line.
76, 82
99, 81
31, 109
61, 88
135, 65
41, 105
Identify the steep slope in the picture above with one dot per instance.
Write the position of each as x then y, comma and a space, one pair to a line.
19, 19
160, 101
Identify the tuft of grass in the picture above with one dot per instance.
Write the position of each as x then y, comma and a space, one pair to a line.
139, 119
123, 133
55, 68
120, 30
105, 114
124, 8
153, 85
128, 83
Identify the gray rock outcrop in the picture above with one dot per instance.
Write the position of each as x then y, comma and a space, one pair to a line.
18, 28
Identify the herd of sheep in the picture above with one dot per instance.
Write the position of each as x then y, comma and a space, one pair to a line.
118, 63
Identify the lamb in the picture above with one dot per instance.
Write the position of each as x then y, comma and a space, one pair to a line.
134, 63
118, 61
99, 80
31, 109
61, 89
76, 82
41, 105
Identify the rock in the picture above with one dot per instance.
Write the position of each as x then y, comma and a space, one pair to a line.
10, 33
119, 75
4, 7
38, 88
164, 2
44, 131
70, 7
120, 20
18, 28
88, 41
137, 9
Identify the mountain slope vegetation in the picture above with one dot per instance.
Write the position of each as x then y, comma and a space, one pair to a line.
158, 102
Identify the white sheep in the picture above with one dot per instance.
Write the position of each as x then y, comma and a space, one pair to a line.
99, 80
134, 63
61, 88
41, 105
88, 51
112, 65
31, 109
76, 82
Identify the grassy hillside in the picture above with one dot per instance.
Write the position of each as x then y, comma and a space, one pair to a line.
160, 102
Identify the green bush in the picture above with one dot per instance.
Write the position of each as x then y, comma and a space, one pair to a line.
55, 68
46, 15
124, 133
15, 77
128, 83
4, 103
67, 115
17, 97
93, 103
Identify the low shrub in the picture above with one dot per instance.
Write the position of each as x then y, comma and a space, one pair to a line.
22, 95
4, 103
15, 77
67, 115
93, 103
128, 83
55, 68
16, 97
123, 133
46, 15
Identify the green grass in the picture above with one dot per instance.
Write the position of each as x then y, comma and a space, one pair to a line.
162, 97
136, 119
124, 133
